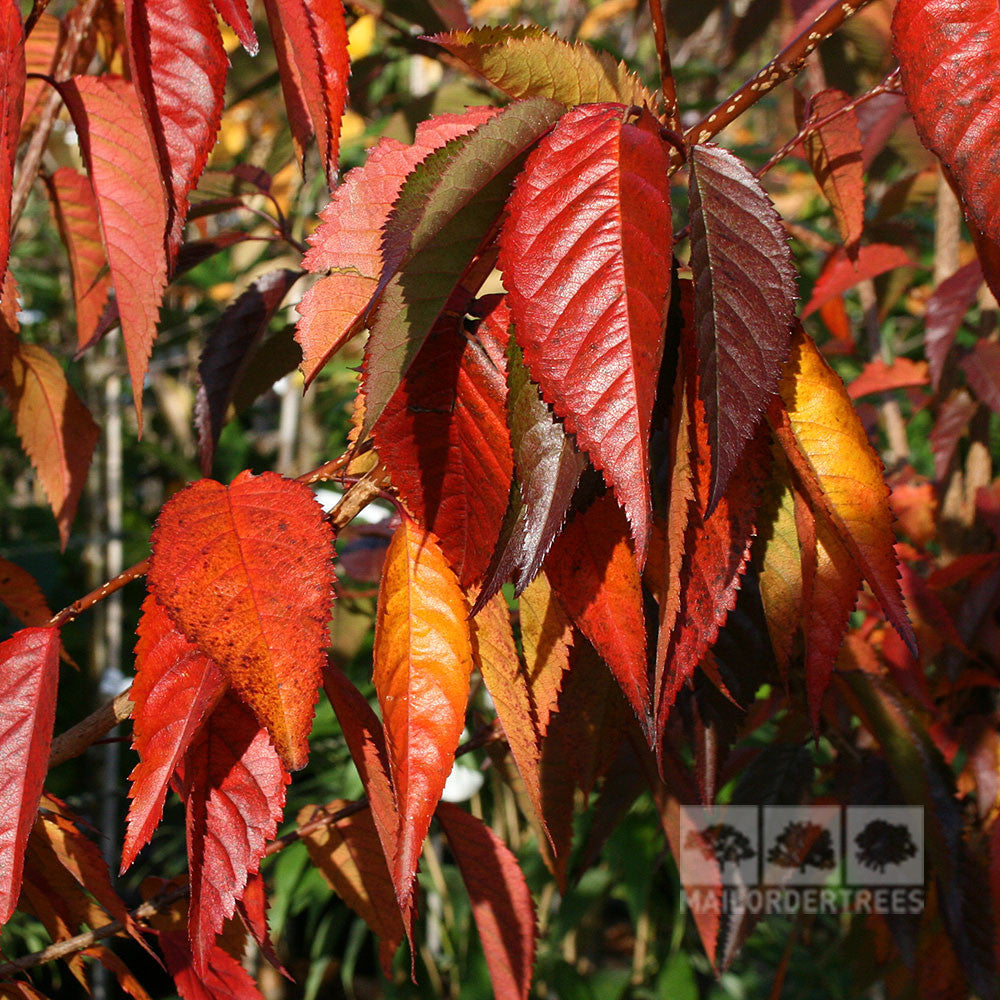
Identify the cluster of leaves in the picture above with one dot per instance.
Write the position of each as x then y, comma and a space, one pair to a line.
631, 427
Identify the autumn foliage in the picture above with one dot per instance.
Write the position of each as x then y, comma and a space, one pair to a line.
682, 479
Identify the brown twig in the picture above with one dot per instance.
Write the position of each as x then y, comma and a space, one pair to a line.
74, 610
88, 731
668, 86
37, 9
785, 65
890, 85
40, 138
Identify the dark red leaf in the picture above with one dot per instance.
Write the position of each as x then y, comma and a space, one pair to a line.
29, 675
586, 259
946, 308
840, 274
76, 214
743, 306
948, 54
236, 15
21, 595
228, 350
12, 72
178, 68
245, 572
593, 569
233, 784
443, 439
501, 900
252, 908
952, 420
175, 689
133, 211
310, 41
982, 370
348, 242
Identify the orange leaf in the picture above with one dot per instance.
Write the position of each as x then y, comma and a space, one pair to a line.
175, 690
245, 572
133, 213
877, 376
825, 441
501, 900
422, 663
75, 209
55, 428
349, 856
524, 698
21, 595
29, 675
593, 570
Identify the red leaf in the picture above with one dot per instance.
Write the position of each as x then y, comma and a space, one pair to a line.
952, 420
348, 242
237, 16
840, 274
443, 439
501, 900
834, 153
349, 856
982, 370
233, 785
21, 595
366, 741
222, 979
252, 909
877, 376
593, 570
422, 662
12, 71
228, 351
245, 571
29, 676
178, 68
55, 428
715, 551
175, 690
310, 41
586, 259
743, 305
947, 54
41, 50
76, 214
946, 308
133, 213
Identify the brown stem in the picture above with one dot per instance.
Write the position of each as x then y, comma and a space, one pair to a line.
890, 85
88, 731
785, 65
40, 138
77, 608
668, 85
37, 9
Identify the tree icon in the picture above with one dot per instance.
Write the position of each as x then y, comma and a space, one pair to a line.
723, 842
881, 844
803, 845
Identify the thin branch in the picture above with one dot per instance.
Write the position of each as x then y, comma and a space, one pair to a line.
890, 85
668, 86
784, 66
40, 138
37, 9
74, 610
88, 731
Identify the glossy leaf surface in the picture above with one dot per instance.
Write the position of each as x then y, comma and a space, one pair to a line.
586, 260
12, 82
